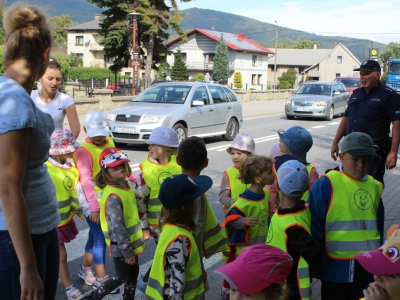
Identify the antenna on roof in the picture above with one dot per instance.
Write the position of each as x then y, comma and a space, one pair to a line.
213, 19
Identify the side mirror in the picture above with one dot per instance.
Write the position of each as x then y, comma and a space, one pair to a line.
197, 103
337, 93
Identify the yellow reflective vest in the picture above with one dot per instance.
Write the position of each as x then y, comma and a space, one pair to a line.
237, 186
154, 175
94, 152
351, 221
130, 213
194, 281
305, 195
254, 235
65, 181
277, 237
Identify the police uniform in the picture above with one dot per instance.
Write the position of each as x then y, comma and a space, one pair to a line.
372, 114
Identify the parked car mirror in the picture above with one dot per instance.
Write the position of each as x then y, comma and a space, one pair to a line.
337, 93
197, 103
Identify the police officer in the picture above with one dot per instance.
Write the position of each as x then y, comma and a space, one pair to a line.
371, 109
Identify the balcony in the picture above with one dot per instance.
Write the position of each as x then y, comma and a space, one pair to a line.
201, 66
96, 47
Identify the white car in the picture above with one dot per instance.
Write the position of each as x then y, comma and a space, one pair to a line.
191, 108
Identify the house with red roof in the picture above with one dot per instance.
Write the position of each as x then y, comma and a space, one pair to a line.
245, 56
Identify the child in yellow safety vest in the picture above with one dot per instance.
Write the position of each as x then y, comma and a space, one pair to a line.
69, 194
192, 157
176, 271
258, 273
246, 222
297, 141
347, 218
384, 264
290, 230
119, 219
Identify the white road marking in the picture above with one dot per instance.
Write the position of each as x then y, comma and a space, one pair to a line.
333, 123
320, 126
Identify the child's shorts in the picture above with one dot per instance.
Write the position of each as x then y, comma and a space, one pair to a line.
67, 233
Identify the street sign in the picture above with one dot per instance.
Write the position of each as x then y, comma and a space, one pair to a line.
374, 55
135, 63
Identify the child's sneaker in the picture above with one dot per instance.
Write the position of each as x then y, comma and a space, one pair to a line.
225, 293
74, 294
87, 275
98, 283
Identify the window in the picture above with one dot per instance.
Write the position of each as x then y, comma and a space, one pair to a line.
339, 59
254, 60
208, 58
79, 55
108, 59
79, 40
259, 79
260, 61
253, 79
201, 95
231, 95
218, 95
337, 74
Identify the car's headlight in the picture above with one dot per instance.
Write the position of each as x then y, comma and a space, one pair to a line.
289, 101
151, 119
322, 103
111, 117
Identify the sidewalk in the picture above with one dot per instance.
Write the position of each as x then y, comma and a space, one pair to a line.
251, 109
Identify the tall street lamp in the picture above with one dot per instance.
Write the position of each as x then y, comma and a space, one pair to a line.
136, 62
276, 51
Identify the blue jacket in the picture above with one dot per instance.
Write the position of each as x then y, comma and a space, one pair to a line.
319, 199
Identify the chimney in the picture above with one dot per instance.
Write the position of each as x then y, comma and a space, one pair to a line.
97, 16
241, 36
334, 45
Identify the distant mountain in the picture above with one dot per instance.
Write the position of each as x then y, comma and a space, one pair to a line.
264, 33
80, 11
261, 32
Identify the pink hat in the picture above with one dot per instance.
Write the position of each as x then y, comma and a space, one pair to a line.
275, 151
62, 142
256, 268
112, 157
386, 259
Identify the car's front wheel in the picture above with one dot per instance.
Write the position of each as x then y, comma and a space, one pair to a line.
232, 130
118, 144
289, 117
181, 131
331, 114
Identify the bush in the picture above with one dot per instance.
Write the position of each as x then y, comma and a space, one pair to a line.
284, 85
384, 77
198, 77
252, 89
289, 76
237, 80
84, 73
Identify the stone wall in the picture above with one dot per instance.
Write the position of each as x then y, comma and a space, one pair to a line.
245, 96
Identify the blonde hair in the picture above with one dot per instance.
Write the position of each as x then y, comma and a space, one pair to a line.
103, 177
27, 34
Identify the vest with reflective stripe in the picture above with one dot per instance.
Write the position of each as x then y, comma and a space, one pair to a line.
351, 221
305, 195
277, 237
130, 213
213, 240
65, 181
194, 282
237, 187
255, 208
94, 152
154, 175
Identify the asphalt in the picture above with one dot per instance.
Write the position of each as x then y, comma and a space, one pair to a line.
390, 194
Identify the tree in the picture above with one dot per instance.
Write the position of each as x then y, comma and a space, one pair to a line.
237, 80
179, 70
221, 70
288, 79
3, 6
59, 24
391, 50
2, 68
66, 62
198, 77
154, 24
306, 44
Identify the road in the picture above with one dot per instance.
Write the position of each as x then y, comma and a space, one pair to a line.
264, 132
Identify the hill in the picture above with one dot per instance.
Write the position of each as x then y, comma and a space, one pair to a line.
264, 33
80, 11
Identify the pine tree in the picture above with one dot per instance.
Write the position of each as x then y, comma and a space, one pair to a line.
237, 80
179, 70
221, 70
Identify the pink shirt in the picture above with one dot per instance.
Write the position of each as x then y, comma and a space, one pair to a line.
85, 167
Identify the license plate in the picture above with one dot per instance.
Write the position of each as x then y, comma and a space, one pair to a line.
120, 129
303, 109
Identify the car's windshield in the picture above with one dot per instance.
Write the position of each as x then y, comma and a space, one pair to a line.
314, 89
173, 94
349, 82
394, 68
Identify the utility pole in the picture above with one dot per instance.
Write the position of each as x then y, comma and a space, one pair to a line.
276, 51
370, 50
135, 61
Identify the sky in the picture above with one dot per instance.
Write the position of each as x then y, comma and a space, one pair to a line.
373, 20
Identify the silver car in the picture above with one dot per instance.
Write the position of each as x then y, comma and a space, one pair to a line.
191, 108
318, 99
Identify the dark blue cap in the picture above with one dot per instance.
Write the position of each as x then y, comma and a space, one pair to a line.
369, 65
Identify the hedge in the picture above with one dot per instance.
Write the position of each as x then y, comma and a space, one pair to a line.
87, 73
